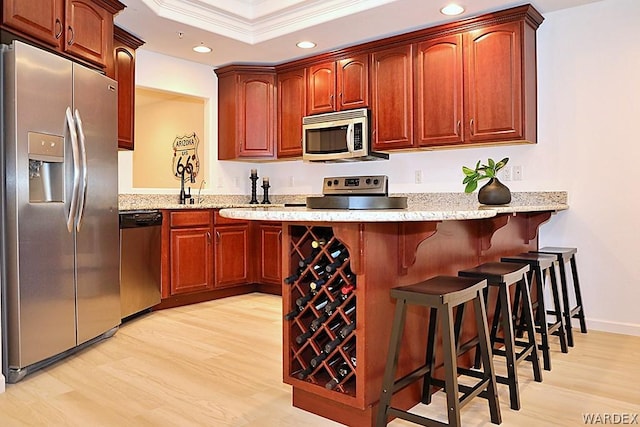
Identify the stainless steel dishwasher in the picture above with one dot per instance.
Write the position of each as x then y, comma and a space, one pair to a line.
139, 261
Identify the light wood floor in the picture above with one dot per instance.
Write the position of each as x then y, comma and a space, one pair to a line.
219, 364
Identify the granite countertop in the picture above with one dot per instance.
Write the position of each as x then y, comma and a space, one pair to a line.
421, 207
134, 202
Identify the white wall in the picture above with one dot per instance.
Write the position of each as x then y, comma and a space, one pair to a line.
589, 91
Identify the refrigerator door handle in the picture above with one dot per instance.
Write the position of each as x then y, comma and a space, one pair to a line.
73, 208
84, 171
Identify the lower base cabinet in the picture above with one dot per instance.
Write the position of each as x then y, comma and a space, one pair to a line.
206, 256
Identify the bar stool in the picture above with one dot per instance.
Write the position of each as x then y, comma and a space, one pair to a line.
442, 294
502, 275
568, 255
540, 266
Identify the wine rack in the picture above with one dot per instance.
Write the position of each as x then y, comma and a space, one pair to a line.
321, 316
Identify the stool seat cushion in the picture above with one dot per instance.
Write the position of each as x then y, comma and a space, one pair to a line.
440, 290
497, 272
542, 261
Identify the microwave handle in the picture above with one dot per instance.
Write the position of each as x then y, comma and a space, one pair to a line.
350, 147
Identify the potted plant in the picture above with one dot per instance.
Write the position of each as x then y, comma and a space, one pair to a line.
492, 193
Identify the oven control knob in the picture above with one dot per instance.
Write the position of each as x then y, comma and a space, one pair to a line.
335, 182
368, 181
376, 181
329, 183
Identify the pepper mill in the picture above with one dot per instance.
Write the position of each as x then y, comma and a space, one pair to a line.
254, 179
265, 187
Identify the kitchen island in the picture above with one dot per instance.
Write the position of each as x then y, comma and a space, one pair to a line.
339, 377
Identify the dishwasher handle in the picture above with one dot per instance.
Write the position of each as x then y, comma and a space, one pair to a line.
140, 219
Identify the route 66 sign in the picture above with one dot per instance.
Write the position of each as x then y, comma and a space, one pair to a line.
185, 156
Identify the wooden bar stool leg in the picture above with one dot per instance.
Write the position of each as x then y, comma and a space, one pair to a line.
566, 306
558, 309
509, 347
392, 362
576, 286
431, 355
487, 358
531, 328
541, 315
450, 365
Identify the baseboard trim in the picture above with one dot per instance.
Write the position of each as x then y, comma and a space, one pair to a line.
609, 326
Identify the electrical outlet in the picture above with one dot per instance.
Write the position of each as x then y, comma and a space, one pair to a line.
517, 173
418, 177
236, 181
505, 173
292, 182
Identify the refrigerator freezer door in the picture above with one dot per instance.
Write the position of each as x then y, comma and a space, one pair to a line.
97, 241
40, 250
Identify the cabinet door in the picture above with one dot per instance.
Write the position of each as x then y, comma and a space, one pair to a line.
494, 83
392, 98
291, 110
41, 19
256, 120
232, 244
353, 82
270, 254
124, 74
191, 260
321, 88
88, 31
439, 91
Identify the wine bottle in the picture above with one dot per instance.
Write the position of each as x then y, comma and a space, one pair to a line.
303, 300
341, 372
314, 362
321, 241
315, 285
340, 258
342, 297
346, 330
317, 322
304, 336
308, 260
291, 279
303, 373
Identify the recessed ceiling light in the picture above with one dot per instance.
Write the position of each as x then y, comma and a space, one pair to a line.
201, 48
306, 45
452, 9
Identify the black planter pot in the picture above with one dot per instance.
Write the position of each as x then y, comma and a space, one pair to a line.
494, 193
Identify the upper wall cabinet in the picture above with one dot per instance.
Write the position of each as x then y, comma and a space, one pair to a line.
392, 98
291, 109
246, 112
123, 70
338, 85
439, 91
80, 28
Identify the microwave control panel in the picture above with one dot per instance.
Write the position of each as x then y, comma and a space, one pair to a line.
369, 185
357, 136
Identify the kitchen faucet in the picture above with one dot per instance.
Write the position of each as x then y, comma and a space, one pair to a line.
203, 182
182, 169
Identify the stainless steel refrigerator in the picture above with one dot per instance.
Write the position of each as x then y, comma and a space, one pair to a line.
60, 208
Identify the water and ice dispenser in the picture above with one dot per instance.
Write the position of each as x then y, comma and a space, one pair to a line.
46, 168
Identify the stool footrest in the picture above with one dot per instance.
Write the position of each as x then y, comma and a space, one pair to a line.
417, 419
469, 392
410, 378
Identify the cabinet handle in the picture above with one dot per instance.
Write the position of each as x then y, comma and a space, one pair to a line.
70, 42
59, 28
458, 128
208, 237
217, 237
471, 126
280, 235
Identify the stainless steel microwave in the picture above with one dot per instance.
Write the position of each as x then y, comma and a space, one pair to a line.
338, 137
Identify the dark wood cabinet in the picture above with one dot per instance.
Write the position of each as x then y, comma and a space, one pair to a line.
124, 72
392, 98
338, 85
496, 75
191, 251
271, 254
41, 19
232, 243
246, 113
80, 28
291, 108
439, 81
